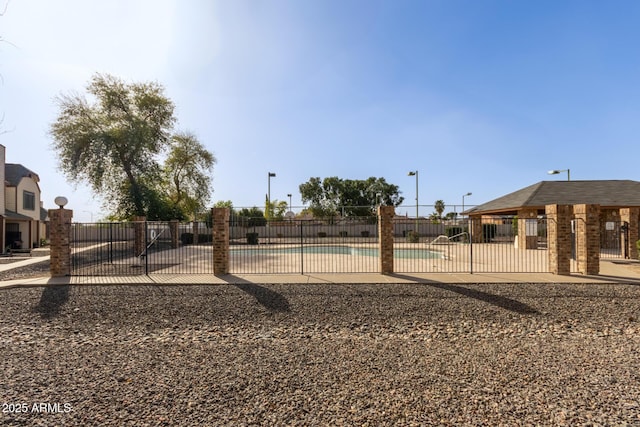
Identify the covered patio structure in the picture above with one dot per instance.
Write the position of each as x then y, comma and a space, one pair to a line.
584, 216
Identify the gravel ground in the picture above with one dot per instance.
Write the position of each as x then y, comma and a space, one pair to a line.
410, 354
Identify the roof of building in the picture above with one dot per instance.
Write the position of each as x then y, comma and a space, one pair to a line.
610, 193
11, 215
14, 172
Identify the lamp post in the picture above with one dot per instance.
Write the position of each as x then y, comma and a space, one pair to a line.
555, 172
289, 196
415, 173
463, 196
269, 176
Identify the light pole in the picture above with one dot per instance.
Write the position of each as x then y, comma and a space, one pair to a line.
555, 172
269, 176
289, 196
463, 196
415, 173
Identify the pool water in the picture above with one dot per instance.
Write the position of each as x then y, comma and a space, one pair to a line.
338, 250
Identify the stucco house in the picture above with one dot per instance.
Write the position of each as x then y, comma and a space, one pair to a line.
23, 220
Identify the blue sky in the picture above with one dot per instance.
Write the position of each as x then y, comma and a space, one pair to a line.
478, 96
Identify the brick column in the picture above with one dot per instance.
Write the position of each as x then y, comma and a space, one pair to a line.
174, 230
220, 219
559, 238
631, 216
140, 239
60, 229
524, 217
385, 236
587, 223
475, 229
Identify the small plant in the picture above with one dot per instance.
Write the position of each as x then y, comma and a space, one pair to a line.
413, 237
343, 233
364, 233
252, 238
322, 234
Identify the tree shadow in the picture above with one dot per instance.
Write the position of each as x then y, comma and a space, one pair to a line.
497, 300
271, 300
51, 301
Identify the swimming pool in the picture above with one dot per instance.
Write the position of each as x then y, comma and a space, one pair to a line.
401, 253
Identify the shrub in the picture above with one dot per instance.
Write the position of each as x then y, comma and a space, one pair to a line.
187, 238
413, 237
322, 234
252, 238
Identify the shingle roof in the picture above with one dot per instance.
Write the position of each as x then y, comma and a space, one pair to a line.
16, 216
14, 172
611, 193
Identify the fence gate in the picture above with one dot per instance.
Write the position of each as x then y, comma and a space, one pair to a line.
139, 248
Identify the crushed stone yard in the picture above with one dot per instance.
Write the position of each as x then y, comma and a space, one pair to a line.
405, 354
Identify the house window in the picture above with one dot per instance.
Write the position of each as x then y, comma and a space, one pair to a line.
28, 201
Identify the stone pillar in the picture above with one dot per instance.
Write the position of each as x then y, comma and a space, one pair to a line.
220, 219
559, 238
385, 236
174, 230
475, 229
60, 229
630, 216
587, 224
140, 239
525, 218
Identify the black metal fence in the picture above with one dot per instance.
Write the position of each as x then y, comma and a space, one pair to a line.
453, 248
347, 245
104, 249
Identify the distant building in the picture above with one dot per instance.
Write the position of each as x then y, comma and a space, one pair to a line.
23, 219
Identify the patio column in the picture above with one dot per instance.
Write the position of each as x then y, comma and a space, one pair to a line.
475, 229
60, 247
631, 216
559, 238
527, 232
385, 242
220, 219
587, 224
140, 239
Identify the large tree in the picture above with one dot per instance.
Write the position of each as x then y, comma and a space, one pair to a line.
113, 142
335, 196
187, 169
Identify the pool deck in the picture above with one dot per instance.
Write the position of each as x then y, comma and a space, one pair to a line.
610, 272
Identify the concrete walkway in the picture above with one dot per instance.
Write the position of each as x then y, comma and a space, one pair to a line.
621, 271
23, 262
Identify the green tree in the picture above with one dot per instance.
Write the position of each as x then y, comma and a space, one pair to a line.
187, 169
113, 142
250, 217
277, 209
439, 207
224, 204
334, 196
